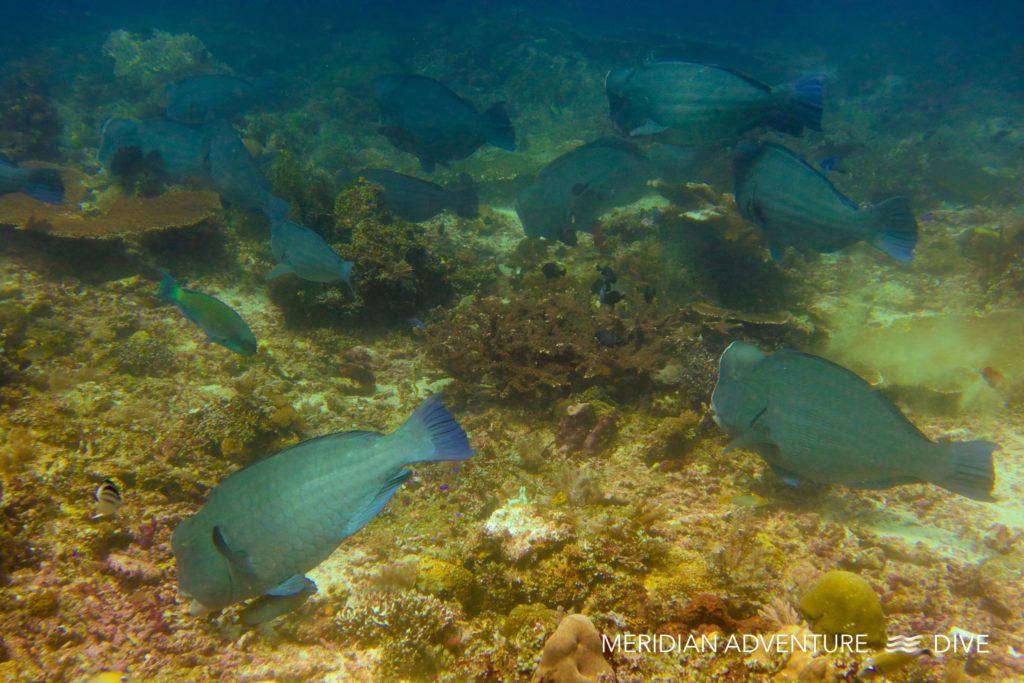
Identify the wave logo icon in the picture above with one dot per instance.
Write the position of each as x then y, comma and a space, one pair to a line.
907, 644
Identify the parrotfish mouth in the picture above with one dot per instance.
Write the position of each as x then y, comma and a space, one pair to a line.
198, 609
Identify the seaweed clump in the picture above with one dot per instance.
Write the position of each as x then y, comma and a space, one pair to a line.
30, 126
160, 58
307, 188
544, 347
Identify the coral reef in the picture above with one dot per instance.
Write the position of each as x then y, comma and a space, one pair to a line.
410, 629
112, 215
842, 602
30, 125
161, 58
573, 654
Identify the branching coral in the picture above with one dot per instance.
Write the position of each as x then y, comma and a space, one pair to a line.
410, 629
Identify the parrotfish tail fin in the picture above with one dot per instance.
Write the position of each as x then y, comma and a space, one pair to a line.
346, 272
973, 474
502, 134
46, 185
435, 434
800, 106
169, 289
894, 227
464, 200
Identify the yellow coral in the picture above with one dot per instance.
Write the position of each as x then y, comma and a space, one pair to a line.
842, 602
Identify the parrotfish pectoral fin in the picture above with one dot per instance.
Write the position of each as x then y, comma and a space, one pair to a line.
287, 597
755, 437
238, 559
786, 476
377, 504
503, 136
972, 473
278, 270
435, 434
293, 586
894, 227
648, 128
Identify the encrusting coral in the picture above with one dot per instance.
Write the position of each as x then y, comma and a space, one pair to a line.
842, 602
573, 654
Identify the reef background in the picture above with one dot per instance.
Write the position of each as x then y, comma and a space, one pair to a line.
600, 485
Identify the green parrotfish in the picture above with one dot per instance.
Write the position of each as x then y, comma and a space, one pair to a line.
267, 525
221, 323
813, 420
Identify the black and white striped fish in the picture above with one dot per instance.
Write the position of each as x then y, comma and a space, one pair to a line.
108, 498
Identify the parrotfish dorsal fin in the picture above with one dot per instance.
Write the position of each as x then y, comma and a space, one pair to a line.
238, 559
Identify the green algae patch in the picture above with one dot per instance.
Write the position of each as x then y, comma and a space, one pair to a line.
843, 603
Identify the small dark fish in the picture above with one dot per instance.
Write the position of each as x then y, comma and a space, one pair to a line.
885, 663
648, 292
831, 165
992, 376
302, 251
182, 149
608, 338
572, 191
44, 184
108, 498
358, 374
425, 118
599, 287
415, 200
221, 323
205, 98
416, 325
552, 270
235, 175
612, 297
813, 420
698, 104
265, 526
796, 205
607, 274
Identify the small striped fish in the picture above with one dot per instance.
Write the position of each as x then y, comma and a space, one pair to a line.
108, 498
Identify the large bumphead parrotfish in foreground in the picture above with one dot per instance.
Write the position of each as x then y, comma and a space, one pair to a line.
797, 206
698, 104
267, 525
208, 97
572, 191
816, 421
44, 184
425, 118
